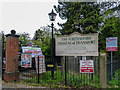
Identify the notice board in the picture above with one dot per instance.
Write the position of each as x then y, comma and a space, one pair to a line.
42, 68
77, 44
86, 66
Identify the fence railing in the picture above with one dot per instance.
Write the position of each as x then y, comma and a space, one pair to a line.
115, 66
73, 76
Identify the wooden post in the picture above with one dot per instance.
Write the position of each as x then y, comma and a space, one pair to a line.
103, 74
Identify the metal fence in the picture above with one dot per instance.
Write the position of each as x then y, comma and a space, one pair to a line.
67, 73
77, 79
115, 65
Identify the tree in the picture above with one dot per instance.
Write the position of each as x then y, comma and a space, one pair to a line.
24, 38
83, 17
42, 39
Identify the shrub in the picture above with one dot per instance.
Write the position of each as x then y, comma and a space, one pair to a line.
115, 80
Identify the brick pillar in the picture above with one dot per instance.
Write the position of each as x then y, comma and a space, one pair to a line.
12, 46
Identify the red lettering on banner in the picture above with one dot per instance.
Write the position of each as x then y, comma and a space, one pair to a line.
28, 51
110, 40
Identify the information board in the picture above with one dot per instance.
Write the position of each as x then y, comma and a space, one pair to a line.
42, 68
77, 44
86, 66
26, 60
111, 44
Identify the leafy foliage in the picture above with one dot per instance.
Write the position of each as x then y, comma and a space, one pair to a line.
116, 79
83, 17
24, 38
110, 29
42, 39
110, 24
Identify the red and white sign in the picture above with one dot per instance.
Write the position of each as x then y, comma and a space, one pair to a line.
111, 44
86, 66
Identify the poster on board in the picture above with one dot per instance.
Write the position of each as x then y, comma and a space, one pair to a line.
111, 44
26, 60
42, 68
35, 51
86, 66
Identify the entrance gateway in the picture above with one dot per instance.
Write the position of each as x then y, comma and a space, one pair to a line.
80, 67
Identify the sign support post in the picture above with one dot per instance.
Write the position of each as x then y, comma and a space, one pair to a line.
111, 66
65, 73
38, 69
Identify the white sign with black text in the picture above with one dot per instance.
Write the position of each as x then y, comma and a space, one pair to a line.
77, 44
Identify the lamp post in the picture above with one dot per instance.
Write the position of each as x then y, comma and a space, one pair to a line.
52, 17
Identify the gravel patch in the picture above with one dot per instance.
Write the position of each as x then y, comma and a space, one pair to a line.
14, 85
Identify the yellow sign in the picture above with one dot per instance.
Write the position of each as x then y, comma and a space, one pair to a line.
49, 65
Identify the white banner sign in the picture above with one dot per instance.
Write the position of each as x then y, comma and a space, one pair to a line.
77, 44
42, 68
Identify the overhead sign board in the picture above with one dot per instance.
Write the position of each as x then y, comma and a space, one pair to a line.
42, 68
33, 50
77, 44
26, 60
111, 44
86, 66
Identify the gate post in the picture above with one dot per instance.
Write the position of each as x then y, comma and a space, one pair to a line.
103, 74
1, 53
12, 45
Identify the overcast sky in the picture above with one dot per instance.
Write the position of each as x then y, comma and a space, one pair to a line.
26, 15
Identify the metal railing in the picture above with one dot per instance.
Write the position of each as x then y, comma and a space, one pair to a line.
115, 66
64, 75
